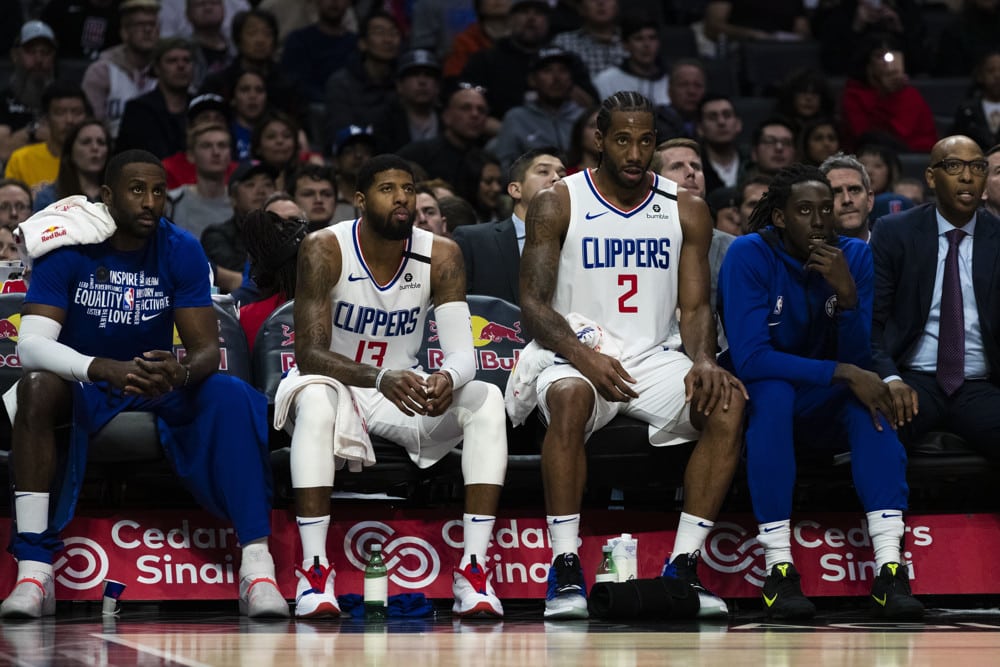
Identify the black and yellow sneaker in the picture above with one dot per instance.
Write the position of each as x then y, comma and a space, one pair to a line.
891, 596
782, 593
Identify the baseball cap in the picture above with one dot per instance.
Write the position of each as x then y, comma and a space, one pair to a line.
131, 5
417, 59
353, 133
721, 198
248, 169
550, 55
521, 4
33, 30
207, 102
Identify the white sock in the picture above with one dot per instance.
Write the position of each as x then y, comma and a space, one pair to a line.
30, 568
256, 561
564, 533
312, 532
776, 538
478, 531
691, 534
886, 528
32, 511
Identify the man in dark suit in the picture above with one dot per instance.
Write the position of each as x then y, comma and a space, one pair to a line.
492, 251
936, 320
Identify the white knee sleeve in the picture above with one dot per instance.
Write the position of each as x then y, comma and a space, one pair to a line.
480, 411
312, 437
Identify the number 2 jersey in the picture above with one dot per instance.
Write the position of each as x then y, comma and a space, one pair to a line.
619, 268
381, 325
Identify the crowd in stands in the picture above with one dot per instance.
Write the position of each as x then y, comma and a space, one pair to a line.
265, 113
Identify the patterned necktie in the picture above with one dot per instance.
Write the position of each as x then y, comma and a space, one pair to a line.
951, 326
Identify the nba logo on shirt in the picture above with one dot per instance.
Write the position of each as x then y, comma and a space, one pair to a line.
779, 304
128, 299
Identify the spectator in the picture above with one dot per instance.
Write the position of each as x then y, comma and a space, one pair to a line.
719, 127
583, 152
249, 103
991, 193
157, 121
725, 211
313, 53
853, 197
86, 364
843, 27
8, 251
428, 214
205, 203
82, 161
456, 212
491, 24
464, 119
547, 120
361, 90
38, 164
276, 143
482, 184
34, 59
15, 202
502, 71
209, 24
640, 70
749, 193
807, 371
979, 117
314, 189
773, 146
255, 34
913, 188
818, 140
597, 43
882, 165
878, 98
493, 252
84, 28
686, 90
202, 110
804, 96
436, 24
354, 145
412, 115
124, 71
249, 186
935, 344
273, 246
755, 20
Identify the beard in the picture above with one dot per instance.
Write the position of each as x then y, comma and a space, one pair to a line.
389, 229
29, 86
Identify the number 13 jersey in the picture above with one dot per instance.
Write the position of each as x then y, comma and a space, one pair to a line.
619, 268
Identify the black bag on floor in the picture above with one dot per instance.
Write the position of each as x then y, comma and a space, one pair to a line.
659, 598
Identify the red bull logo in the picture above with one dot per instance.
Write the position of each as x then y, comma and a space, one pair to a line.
53, 232
287, 335
494, 332
9, 327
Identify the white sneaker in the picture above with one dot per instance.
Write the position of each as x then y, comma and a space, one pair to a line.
260, 598
314, 596
474, 595
34, 596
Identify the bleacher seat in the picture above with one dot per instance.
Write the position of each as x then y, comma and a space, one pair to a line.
677, 41
765, 64
914, 165
943, 94
752, 111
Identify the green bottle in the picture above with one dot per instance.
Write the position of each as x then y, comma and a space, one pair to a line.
376, 585
607, 572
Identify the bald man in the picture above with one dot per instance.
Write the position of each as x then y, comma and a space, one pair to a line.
936, 319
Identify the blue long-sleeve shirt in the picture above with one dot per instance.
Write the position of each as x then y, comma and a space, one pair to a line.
782, 321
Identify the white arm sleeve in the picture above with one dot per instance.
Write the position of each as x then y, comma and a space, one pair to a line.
454, 328
39, 349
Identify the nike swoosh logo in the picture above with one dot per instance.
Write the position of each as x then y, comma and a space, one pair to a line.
310, 523
353, 278
881, 600
769, 600
773, 324
557, 521
591, 216
702, 524
890, 516
478, 520
146, 318
771, 529
21, 495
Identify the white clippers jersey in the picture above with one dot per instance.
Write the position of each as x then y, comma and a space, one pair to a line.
619, 268
381, 325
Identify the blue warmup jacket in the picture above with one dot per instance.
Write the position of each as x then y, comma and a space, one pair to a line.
781, 320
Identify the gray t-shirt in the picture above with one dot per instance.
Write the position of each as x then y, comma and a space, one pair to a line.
194, 213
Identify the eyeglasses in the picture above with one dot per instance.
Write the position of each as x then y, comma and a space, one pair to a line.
17, 207
776, 141
954, 166
465, 85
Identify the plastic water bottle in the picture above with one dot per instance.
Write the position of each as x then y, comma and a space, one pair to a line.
607, 572
376, 585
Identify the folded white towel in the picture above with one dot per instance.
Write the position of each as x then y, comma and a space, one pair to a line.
351, 443
69, 221
521, 396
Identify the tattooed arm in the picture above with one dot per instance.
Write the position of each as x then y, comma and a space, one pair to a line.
319, 270
546, 223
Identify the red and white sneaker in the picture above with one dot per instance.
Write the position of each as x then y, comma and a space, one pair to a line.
474, 594
314, 596
260, 598
34, 596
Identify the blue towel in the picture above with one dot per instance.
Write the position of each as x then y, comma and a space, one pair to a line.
404, 605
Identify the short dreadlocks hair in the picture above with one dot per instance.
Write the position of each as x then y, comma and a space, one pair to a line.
778, 192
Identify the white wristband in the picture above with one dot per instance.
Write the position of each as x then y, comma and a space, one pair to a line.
378, 379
